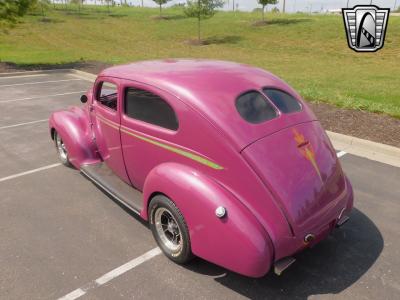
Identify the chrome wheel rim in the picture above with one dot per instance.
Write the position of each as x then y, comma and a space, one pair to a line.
168, 229
62, 151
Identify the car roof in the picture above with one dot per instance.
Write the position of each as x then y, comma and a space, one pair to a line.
194, 76
210, 87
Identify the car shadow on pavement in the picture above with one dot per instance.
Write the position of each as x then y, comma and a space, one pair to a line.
328, 268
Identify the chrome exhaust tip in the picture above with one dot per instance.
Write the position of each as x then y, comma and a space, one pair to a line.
282, 264
342, 220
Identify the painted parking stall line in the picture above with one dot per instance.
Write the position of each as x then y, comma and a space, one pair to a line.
112, 274
23, 124
23, 76
30, 172
41, 97
40, 82
341, 153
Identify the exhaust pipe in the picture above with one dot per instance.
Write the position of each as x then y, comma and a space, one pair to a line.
282, 264
342, 220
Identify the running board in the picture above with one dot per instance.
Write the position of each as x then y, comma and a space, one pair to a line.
103, 177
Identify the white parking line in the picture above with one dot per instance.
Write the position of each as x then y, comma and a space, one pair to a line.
22, 124
23, 76
38, 82
112, 274
341, 153
41, 97
29, 172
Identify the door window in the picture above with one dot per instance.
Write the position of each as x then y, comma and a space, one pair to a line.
150, 108
107, 94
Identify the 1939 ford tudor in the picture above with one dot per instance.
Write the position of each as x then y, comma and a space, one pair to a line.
225, 161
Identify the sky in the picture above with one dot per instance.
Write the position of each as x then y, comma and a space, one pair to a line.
291, 5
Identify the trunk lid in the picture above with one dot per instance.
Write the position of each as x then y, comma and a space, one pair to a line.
300, 167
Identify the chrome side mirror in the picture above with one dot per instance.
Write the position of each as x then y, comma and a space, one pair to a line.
84, 98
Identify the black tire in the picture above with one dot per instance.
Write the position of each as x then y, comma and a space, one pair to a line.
61, 150
160, 206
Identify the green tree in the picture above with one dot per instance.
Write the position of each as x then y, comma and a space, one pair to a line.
264, 4
79, 3
10, 10
108, 5
160, 3
202, 9
42, 6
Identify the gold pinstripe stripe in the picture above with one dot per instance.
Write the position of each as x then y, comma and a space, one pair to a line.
176, 150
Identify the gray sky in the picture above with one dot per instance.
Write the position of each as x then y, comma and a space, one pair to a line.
291, 5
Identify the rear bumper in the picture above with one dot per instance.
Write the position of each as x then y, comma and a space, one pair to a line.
340, 214
283, 263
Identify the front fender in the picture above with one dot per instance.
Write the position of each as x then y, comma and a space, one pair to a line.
237, 242
73, 127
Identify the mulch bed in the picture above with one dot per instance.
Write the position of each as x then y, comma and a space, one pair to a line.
375, 127
159, 18
362, 124
260, 23
196, 42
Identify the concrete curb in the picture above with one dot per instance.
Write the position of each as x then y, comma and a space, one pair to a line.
367, 149
352, 145
84, 75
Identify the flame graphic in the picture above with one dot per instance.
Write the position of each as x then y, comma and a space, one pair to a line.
306, 150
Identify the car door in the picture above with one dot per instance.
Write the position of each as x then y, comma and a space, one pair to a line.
149, 125
106, 121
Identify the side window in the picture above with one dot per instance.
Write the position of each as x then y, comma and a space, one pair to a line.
255, 108
107, 94
285, 102
147, 107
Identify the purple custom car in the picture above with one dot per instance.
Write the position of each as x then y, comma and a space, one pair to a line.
225, 161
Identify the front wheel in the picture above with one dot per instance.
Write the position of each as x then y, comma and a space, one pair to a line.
61, 150
169, 229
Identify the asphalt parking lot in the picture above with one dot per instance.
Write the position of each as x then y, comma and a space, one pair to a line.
61, 236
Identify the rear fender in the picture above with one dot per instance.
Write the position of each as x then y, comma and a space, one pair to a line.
73, 126
237, 242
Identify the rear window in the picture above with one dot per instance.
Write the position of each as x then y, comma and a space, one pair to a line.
255, 108
283, 101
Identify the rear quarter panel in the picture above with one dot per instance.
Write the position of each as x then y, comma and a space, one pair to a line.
237, 242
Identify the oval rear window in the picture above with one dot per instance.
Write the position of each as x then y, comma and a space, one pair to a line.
255, 108
283, 101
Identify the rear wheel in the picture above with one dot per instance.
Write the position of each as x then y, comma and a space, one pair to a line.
61, 150
169, 229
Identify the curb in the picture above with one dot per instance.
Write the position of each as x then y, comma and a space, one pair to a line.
375, 151
84, 75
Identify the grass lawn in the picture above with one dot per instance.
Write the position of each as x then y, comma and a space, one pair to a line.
309, 52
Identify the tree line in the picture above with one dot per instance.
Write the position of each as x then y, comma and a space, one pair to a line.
11, 10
